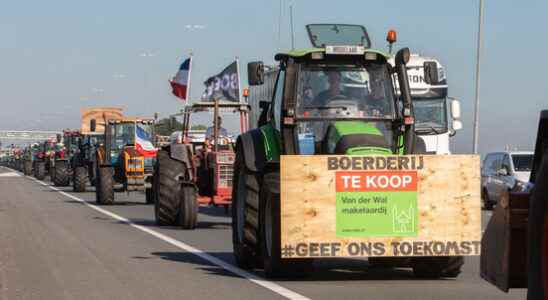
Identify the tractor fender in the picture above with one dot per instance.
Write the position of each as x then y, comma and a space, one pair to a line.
252, 145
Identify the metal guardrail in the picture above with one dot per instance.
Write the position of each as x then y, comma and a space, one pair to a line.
27, 134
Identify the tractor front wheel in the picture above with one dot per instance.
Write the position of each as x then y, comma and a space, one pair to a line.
188, 211
166, 188
79, 179
245, 215
435, 267
61, 174
104, 189
274, 266
39, 170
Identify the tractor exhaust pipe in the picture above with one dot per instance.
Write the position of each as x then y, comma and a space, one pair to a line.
401, 59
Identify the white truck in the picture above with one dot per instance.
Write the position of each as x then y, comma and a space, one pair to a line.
437, 116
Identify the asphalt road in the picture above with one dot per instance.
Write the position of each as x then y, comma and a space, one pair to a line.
55, 244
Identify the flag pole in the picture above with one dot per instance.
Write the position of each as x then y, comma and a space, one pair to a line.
239, 81
188, 81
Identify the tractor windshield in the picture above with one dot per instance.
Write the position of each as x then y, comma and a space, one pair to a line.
124, 135
335, 102
345, 92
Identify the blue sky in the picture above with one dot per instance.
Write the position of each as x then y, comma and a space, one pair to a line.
57, 56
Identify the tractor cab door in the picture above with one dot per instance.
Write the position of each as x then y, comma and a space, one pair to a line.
508, 256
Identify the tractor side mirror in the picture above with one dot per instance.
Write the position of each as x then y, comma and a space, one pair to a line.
92, 125
255, 73
455, 109
431, 72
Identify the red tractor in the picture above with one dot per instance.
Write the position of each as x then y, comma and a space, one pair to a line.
195, 170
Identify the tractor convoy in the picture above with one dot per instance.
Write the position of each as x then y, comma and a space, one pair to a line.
342, 151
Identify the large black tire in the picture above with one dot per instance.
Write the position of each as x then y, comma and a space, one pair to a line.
79, 179
537, 239
188, 210
61, 173
435, 267
27, 168
270, 236
40, 170
104, 190
166, 189
245, 215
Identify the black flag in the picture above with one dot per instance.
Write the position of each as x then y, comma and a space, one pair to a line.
223, 86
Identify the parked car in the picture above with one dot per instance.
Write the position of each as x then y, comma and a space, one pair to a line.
504, 171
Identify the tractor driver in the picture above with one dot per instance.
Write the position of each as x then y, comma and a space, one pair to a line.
334, 90
211, 130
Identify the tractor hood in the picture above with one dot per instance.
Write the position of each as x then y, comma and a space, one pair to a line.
356, 138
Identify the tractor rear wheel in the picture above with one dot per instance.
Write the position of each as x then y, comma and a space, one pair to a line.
245, 215
435, 267
270, 236
79, 179
166, 188
61, 173
188, 210
537, 279
104, 189
40, 170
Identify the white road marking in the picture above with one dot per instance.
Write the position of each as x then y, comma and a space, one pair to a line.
278, 289
9, 174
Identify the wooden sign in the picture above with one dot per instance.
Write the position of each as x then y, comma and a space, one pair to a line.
366, 206
101, 115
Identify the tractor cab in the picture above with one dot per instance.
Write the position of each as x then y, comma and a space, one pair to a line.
339, 97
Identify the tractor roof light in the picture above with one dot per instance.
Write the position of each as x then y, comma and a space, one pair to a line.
391, 36
317, 55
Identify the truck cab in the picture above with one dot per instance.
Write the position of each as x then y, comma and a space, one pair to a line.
437, 115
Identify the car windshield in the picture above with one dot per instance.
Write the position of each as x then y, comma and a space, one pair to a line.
124, 135
522, 162
335, 92
430, 115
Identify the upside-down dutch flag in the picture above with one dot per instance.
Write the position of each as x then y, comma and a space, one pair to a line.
180, 82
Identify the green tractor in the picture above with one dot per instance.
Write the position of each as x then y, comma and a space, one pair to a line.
337, 98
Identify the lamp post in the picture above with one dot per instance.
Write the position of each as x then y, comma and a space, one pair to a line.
476, 111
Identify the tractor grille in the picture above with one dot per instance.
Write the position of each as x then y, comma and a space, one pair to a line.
225, 175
